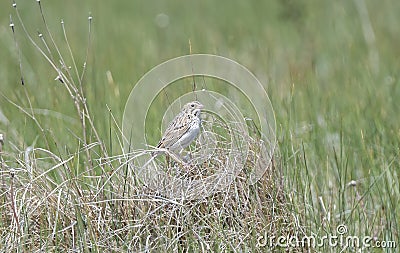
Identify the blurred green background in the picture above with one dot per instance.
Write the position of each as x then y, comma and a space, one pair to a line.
320, 50
331, 69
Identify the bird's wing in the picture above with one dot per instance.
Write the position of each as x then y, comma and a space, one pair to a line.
174, 132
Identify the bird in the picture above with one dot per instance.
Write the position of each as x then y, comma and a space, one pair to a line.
179, 134
182, 130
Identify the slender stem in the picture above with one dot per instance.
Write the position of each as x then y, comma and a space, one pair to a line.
13, 202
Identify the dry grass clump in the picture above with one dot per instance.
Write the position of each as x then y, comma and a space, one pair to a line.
50, 205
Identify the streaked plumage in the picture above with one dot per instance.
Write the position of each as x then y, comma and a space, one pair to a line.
183, 129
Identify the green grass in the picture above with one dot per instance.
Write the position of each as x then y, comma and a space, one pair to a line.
334, 89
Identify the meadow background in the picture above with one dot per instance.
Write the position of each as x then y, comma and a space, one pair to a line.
331, 69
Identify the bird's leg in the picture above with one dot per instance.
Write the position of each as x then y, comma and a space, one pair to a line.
168, 161
187, 157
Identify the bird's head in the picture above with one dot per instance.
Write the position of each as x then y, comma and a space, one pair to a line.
193, 107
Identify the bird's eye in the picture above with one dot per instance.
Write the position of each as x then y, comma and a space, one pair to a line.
192, 105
